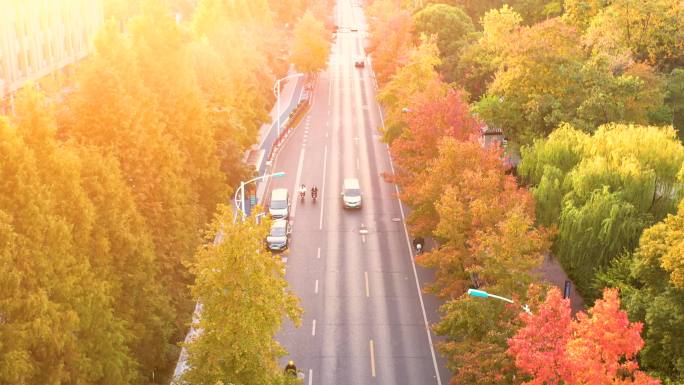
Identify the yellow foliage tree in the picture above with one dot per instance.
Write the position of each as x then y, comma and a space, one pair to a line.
311, 46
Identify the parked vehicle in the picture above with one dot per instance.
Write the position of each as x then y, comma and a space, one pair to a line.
278, 238
279, 206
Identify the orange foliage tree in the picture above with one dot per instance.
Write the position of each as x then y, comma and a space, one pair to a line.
391, 40
597, 348
477, 212
433, 113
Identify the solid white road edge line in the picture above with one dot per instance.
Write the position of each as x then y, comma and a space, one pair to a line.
372, 358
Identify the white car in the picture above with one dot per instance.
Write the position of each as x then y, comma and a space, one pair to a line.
351, 194
279, 206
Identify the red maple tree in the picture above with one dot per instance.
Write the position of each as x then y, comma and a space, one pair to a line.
598, 348
433, 114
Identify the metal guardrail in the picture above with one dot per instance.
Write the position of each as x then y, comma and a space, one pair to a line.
293, 119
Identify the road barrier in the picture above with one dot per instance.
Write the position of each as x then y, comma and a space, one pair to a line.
295, 117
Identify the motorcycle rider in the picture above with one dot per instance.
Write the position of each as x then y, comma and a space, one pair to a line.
302, 191
314, 192
291, 369
418, 244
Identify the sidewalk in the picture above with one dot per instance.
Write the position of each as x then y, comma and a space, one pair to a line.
552, 272
288, 89
290, 94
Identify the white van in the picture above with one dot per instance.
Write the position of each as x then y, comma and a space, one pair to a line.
279, 206
351, 194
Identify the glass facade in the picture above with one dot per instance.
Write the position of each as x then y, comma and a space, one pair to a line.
38, 37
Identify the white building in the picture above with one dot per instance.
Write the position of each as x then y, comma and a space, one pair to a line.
38, 37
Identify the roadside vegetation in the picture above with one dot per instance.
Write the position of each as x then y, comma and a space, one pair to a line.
245, 298
106, 192
588, 94
311, 44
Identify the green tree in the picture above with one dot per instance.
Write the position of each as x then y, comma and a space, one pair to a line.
594, 232
476, 332
541, 84
650, 31
675, 99
452, 27
580, 12
532, 11
311, 45
602, 190
651, 281
545, 165
480, 59
474, 8
536, 87
244, 298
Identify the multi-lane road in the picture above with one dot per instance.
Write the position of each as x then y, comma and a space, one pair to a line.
365, 320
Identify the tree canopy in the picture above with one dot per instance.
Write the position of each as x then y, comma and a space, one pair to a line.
586, 91
107, 188
651, 280
599, 347
602, 190
412, 78
244, 297
311, 46
452, 27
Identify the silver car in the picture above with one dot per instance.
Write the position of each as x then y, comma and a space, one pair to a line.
279, 237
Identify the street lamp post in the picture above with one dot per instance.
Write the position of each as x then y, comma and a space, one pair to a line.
276, 91
241, 190
484, 294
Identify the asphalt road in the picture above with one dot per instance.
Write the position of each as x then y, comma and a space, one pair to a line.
365, 319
